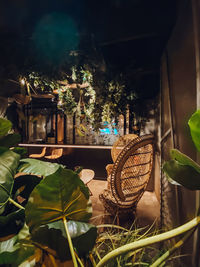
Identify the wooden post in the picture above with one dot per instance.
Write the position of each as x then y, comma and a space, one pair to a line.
56, 126
74, 124
196, 20
65, 129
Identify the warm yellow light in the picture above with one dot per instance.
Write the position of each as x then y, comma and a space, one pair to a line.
22, 81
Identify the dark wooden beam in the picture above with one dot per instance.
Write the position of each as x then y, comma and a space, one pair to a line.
142, 71
126, 39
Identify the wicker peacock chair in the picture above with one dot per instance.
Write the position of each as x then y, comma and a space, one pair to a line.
129, 177
117, 147
120, 143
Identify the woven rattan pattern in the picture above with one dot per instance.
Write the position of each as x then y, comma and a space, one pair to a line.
120, 143
129, 176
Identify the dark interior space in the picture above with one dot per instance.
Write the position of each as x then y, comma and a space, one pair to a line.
120, 37
85, 158
97, 100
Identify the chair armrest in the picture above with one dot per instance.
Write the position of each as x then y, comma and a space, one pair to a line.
109, 168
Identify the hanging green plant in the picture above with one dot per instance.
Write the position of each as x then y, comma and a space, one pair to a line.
83, 89
78, 97
41, 83
114, 104
94, 96
66, 101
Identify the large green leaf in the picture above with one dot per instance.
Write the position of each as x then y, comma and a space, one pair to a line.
11, 223
183, 174
12, 219
37, 167
194, 124
3, 149
15, 251
53, 236
10, 140
25, 184
8, 251
5, 126
59, 195
8, 165
19, 150
183, 159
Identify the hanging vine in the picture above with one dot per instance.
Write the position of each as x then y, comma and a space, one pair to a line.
67, 101
93, 95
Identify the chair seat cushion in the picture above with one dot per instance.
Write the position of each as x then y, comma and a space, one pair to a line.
112, 206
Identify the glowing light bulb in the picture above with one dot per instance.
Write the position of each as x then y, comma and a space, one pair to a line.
22, 81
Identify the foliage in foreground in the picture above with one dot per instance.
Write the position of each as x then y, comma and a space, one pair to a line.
181, 170
113, 237
45, 208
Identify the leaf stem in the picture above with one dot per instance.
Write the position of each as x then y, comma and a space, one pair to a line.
70, 243
51, 257
170, 251
15, 203
92, 260
112, 226
79, 260
150, 240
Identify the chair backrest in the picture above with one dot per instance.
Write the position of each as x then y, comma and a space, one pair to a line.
132, 170
120, 143
55, 154
42, 154
86, 175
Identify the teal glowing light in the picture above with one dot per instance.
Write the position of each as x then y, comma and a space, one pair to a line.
54, 37
108, 130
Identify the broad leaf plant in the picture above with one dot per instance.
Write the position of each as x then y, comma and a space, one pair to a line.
181, 170
44, 209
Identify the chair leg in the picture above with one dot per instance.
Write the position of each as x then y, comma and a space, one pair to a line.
117, 219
